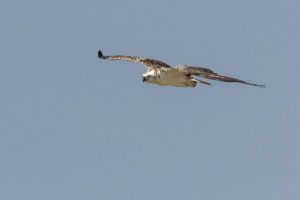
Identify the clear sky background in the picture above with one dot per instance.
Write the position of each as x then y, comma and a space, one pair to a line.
76, 127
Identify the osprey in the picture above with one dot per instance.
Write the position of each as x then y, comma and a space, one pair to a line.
179, 76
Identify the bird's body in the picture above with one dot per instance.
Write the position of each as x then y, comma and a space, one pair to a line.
179, 76
171, 77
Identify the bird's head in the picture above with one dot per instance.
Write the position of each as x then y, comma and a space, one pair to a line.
148, 78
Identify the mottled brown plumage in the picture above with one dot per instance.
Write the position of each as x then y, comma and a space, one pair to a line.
148, 63
209, 74
180, 76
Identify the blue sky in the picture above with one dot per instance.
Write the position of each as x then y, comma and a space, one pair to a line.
76, 127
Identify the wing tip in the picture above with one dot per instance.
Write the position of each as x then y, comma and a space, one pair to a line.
100, 55
257, 85
262, 86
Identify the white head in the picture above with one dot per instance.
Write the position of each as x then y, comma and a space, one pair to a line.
149, 77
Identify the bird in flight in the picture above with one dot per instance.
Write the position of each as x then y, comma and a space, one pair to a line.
162, 74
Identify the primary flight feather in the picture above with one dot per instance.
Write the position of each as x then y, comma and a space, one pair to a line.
162, 74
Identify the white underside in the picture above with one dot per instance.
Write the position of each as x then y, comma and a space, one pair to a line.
173, 77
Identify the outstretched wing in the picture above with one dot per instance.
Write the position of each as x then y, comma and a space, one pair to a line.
150, 64
209, 74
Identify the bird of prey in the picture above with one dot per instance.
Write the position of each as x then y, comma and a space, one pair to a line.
162, 74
